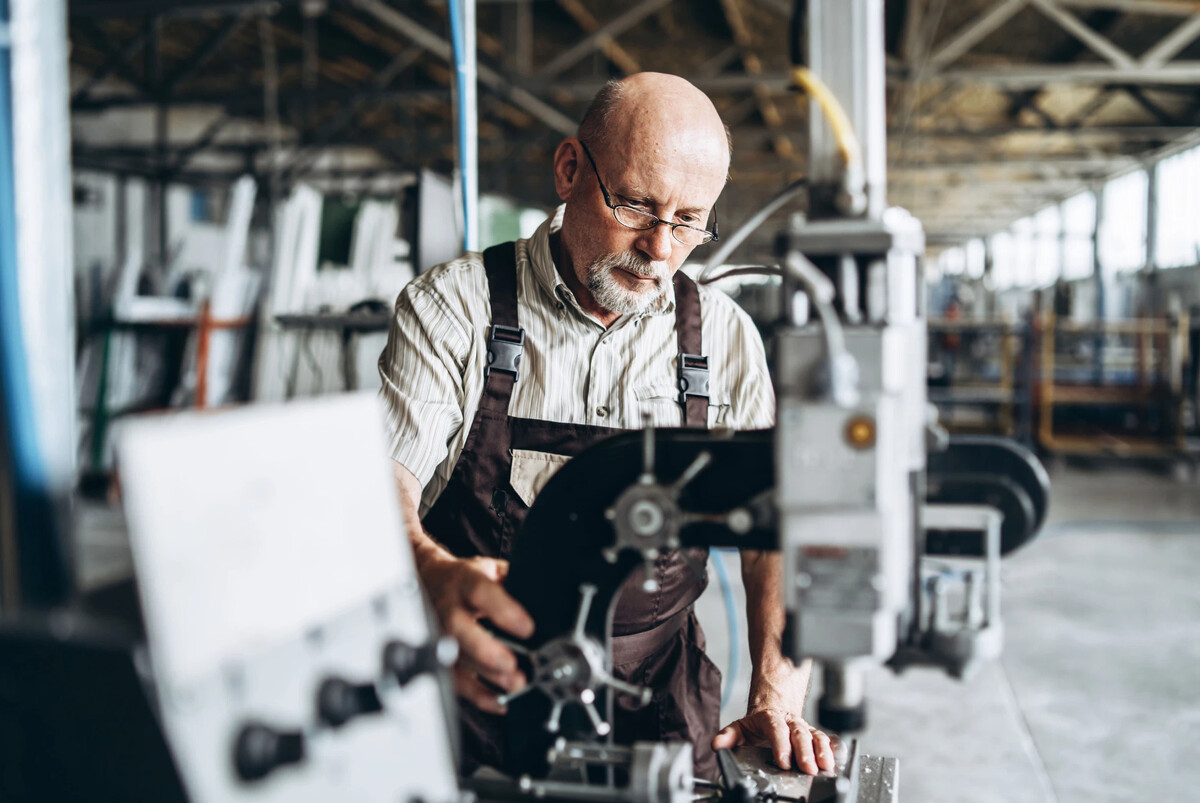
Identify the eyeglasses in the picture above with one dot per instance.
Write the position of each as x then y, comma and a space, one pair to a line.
632, 218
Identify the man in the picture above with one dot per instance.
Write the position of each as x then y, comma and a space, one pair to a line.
605, 319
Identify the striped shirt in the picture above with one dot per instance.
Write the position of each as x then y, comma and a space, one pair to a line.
573, 369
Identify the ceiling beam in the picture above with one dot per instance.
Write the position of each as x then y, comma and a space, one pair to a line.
1019, 76
603, 38
1180, 8
975, 32
752, 64
100, 9
1050, 164
204, 52
120, 61
1081, 31
1171, 44
116, 61
350, 109
490, 78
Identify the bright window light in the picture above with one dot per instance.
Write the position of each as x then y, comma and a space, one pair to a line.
1123, 229
1047, 256
1178, 187
953, 261
1003, 254
1079, 222
1024, 250
976, 253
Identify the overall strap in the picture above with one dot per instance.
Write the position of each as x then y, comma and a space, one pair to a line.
506, 339
692, 370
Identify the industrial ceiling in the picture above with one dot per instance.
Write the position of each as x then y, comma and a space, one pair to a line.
996, 107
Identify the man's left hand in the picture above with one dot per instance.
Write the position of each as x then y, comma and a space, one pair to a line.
773, 720
788, 736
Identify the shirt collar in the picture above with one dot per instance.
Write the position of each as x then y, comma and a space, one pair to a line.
547, 275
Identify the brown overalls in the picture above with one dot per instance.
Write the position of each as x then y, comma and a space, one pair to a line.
657, 641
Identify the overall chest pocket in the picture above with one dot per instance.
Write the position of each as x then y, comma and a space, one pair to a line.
531, 471
660, 401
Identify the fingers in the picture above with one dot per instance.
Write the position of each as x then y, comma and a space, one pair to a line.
781, 742
503, 680
823, 746
730, 736
468, 686
494, 568
480, 651
802, 746
488, 599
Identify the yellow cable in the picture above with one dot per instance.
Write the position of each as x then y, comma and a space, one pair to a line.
843, 131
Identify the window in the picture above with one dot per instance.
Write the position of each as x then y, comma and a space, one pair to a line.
1079, 223
952, 261
1047, 254
976, 254
1002, 260
1178, 205
1024, 250
1123, 229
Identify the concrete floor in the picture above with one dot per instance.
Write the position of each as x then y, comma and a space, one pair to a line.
1096, 697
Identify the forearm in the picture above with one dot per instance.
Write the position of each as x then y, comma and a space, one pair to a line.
762, 574
425, 548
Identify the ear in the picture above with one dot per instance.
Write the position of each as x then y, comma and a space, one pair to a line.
568, 167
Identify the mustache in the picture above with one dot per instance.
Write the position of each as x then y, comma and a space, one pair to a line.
632, 263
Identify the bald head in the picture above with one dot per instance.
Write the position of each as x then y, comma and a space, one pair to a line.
658, 111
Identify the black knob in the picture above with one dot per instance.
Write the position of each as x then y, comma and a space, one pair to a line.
842, 720
405, 661
259, 750
339, 701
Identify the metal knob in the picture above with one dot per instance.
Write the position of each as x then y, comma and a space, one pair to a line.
339, 701
260, 749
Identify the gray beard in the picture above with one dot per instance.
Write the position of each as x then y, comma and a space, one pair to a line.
612, 295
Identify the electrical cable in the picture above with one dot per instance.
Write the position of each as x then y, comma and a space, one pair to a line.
748, 270
746, 229
731, 617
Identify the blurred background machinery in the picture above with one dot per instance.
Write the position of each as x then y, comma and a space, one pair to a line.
208, 203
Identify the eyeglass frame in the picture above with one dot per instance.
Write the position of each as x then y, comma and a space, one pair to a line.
712, 235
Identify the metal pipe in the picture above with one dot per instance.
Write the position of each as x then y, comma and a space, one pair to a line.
37, 392
462, 26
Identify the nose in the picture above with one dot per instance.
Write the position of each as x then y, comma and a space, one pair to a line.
657, 243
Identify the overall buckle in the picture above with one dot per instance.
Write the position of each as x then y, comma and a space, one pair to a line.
505, 344
693, 376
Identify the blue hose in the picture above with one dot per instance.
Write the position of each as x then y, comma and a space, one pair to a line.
459, 40
732, 618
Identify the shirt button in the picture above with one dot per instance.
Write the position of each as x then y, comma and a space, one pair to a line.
601, 412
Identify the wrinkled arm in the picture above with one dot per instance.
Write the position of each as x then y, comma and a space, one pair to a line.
775, 710
762, 573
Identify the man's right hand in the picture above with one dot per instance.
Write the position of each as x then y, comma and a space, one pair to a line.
463, 591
